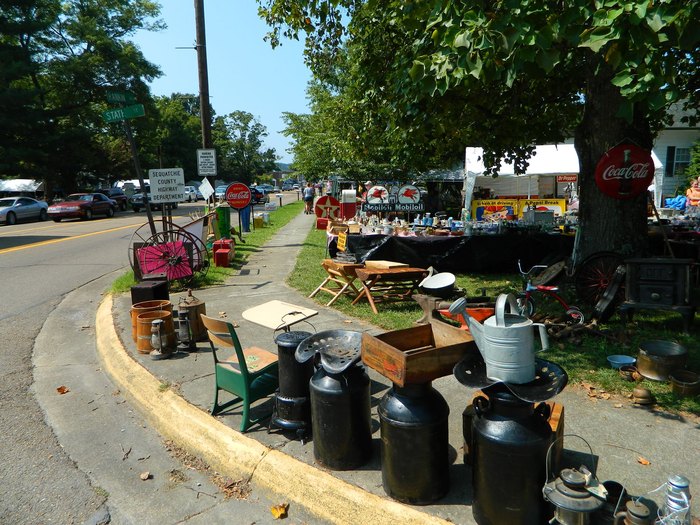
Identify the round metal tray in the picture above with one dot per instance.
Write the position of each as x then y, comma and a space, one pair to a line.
550, 379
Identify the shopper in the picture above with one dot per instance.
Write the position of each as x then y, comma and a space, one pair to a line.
308, 198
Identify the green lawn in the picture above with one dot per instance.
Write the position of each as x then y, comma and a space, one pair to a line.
584, 356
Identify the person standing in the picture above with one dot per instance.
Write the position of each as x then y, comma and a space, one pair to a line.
308, 197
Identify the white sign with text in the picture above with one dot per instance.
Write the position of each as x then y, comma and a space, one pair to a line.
167, 185
206, 162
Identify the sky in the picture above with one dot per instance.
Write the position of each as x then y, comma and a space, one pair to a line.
245, 73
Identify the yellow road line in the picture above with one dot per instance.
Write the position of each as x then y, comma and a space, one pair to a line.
53, 241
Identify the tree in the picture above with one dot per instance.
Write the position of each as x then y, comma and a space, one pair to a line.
238, 138
614, 65
59, 59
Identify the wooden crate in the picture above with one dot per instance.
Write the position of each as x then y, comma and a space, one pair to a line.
418, 354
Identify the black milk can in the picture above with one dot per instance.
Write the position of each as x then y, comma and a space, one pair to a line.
292, 404
341, 421
414, 443
510, 439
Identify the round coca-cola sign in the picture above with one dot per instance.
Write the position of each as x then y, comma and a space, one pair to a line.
238, 195
624, 171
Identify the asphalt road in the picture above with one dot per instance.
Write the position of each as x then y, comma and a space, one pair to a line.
42, 263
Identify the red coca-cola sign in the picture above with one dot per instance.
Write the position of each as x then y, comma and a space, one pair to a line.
238, 195
624, 171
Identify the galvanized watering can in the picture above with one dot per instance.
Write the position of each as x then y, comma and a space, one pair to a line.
506, 340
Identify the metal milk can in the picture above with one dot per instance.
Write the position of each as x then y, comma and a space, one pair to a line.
676, 508
510, 439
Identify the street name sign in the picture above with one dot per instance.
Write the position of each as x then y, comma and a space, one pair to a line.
206, 162
167, 185
123, 97
127, 112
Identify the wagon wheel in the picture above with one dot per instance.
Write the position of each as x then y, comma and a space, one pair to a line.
595, 274
175, 252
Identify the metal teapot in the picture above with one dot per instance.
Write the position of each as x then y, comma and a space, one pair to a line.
636, 513
506, 340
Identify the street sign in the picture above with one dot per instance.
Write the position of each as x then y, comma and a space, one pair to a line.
206, 162
167, 185
113, 115
123, 97
206, 189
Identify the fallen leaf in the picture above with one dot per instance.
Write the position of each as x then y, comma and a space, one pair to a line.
591, 393
618, 405
643, 461
588, 386
145, 475
348, 321
605, 395
63, 389
222, 314
279, 511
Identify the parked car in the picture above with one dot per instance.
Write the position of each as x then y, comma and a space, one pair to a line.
137, 203
259, 196
267, 187
220, 192
190, 194
82, 206
295, 186
117, 195
13, 209
287, 186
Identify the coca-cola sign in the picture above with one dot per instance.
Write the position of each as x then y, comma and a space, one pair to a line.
238, 195
624, 171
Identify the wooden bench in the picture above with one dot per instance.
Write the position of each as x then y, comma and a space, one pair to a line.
391, 284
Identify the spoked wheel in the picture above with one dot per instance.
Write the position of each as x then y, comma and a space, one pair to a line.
575, 315
595, 274
175, 252
527, 308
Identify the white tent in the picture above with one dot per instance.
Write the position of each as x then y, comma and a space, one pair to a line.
19, 185
547, 160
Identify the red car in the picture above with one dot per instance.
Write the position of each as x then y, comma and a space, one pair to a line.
82, 206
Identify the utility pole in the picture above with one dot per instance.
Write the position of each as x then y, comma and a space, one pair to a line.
204, 109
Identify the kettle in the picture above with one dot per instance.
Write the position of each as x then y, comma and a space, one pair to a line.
506, 340
635, 513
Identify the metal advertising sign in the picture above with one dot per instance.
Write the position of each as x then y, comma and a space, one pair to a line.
167, 185
328, 207
238, 195
624, 171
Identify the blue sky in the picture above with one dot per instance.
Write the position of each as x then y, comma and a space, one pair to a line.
245, 73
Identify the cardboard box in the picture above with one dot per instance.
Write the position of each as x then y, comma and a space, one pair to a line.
335, 227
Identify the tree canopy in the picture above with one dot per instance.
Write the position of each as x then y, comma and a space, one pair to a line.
506, 75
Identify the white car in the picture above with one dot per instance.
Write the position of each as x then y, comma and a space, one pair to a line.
190, 194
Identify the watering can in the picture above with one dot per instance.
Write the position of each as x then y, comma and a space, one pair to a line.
506, 340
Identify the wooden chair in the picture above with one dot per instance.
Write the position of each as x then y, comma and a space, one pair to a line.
249, 374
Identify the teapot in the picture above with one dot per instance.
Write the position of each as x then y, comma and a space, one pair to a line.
506, 340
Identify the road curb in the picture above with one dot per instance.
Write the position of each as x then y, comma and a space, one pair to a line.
235, 455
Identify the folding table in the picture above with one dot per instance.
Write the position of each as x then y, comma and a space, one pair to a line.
340, 280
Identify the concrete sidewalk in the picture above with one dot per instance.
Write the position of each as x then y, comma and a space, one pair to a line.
175, 395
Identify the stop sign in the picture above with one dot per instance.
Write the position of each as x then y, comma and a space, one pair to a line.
238, 195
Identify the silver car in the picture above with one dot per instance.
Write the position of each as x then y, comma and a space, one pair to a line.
13, 209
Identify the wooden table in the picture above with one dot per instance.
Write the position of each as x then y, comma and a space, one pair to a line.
391, 284
278, 315
341, 279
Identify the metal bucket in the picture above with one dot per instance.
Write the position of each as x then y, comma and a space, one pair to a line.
147, 306
657, 359
143, 330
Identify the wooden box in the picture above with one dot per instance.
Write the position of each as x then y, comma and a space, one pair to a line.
418, 354
336, 227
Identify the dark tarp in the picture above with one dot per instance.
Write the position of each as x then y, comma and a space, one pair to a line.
477, 253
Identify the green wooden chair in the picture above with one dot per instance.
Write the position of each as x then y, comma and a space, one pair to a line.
249, 374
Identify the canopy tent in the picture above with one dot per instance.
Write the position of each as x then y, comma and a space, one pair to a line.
20, 186
547, 160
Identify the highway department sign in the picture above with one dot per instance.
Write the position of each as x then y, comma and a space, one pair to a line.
206, 162
167, 185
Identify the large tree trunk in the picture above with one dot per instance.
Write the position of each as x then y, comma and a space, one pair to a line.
605, 223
